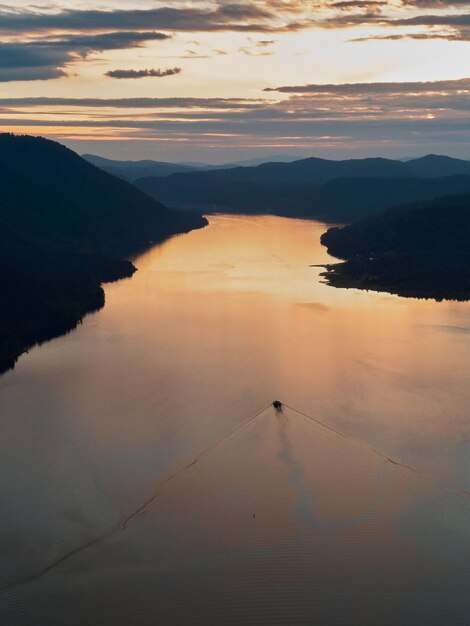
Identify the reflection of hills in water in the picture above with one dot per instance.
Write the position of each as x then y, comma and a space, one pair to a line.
284, 522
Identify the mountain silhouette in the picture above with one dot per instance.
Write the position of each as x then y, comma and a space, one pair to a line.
420, 249
65, 227
132, 170
436, 165
308, 188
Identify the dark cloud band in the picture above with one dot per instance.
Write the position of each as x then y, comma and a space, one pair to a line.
223, 17
48, 58
156, 73
406, 88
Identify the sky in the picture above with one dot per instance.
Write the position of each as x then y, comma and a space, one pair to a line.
217, 81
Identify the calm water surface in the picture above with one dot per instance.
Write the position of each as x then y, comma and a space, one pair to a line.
284, 522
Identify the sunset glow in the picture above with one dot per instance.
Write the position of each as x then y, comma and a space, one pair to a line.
222, 80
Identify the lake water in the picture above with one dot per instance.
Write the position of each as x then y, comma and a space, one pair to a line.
284, 521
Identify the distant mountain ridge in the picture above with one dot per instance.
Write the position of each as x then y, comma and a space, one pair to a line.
433, 165
65, 227
316, 188
132, 170
316, 171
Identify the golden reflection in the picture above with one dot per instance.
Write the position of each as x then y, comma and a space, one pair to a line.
241, 292
284, 514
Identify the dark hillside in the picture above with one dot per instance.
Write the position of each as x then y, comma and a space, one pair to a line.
420, 250
63, 226
131, 170
338, 200
48, 188
436, 165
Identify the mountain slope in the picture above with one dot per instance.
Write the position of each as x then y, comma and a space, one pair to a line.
51, 189
132, 170
316, 188
309, 171
337, 200
352, 199
437, 165
63, 223
420, 249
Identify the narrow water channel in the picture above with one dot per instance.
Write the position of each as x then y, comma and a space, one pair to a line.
284, 522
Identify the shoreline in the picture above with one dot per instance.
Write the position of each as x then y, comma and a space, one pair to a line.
65, 304
343, 276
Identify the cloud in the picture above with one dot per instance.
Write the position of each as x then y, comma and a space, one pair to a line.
346, 5
458, 26
48, 58
445, 14
256, 48
133, 103
265, 42
43, 44
54, 38
38, 43
304, 102
263, 17
404, 115
447, 86
456, 35
459, 20
157, 73
446, 25
435, 4
23, 62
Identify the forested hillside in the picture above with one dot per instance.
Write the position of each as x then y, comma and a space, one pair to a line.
65, 227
